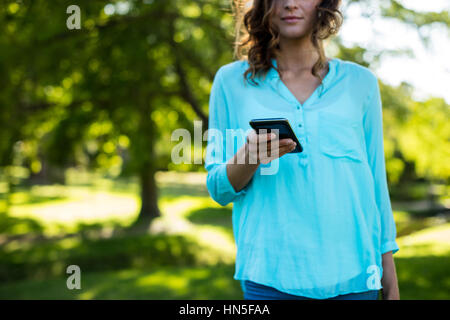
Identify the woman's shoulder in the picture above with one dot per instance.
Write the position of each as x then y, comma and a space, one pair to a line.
232, 70
358, 71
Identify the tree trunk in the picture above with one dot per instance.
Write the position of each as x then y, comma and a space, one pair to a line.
49, 174
149, 199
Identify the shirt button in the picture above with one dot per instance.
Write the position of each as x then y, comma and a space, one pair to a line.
298, 107
300, 125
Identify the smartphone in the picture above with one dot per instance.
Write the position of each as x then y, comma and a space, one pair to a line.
282, 124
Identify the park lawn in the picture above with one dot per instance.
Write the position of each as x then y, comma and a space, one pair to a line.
422, 266
166, 283
160, 265
423, 263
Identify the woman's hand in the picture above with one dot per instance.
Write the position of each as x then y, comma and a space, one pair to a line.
263, 148
242, 167
389, 279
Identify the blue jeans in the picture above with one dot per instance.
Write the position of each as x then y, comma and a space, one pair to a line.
256, 291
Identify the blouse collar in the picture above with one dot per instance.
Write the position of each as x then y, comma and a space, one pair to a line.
272, 74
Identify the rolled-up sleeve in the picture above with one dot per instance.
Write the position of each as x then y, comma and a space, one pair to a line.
373, 130
217, 182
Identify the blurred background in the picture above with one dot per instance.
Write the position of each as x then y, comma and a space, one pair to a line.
86, 118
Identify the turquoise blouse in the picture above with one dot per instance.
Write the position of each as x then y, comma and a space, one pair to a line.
313, 223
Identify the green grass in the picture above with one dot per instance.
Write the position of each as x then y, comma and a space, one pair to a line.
169, 282
187, 254
423, 263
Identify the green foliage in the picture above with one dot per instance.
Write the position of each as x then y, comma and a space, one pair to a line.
109, 95
418, 19
425, 138
132, 67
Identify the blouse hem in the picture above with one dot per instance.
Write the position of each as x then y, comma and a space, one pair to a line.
344, 292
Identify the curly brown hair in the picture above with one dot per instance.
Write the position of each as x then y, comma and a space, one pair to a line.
262, 39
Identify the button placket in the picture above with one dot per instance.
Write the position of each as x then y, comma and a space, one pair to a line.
300, 113
286, 94
300, 128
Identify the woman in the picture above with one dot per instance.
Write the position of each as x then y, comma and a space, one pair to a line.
316, 224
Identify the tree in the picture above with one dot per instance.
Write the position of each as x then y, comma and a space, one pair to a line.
108, 95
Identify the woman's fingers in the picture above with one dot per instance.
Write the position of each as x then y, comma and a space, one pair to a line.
286, 141
265, 159
266, 138
282, 153
286, 149
274, 148
277, 152
253, 137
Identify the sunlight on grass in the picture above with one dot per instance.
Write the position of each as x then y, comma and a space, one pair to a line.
82, 206
139, 280
167, 283
174, 221
174, 282
401, 216
214, 238
192, 178
74, 205
178, 208
431, 241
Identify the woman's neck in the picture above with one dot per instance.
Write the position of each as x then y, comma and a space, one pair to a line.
297, 55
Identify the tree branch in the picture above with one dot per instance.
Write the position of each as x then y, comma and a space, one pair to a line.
185, 89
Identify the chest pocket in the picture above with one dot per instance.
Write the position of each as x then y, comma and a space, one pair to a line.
339, 137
